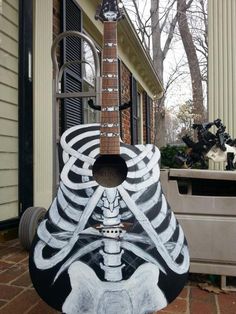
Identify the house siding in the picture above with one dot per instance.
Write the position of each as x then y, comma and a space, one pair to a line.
222, 64
9, 21
43, 103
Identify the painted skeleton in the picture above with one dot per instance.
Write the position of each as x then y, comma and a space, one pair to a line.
90, 231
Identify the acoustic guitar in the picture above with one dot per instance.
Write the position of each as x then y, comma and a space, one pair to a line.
109, 242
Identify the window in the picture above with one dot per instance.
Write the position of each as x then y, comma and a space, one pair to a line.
136, 113
90, 115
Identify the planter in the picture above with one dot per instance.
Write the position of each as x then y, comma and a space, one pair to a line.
204, 202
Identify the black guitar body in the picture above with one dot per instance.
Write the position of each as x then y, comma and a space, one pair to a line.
112, 249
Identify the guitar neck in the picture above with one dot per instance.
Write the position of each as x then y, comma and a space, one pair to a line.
110, 122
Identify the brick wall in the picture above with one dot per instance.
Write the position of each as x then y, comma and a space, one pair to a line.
56, 18
56, 23
125, 97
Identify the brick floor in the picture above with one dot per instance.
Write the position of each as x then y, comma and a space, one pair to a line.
17, 296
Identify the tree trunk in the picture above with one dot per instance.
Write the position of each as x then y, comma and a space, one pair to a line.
156, 39
197, 92
158, 59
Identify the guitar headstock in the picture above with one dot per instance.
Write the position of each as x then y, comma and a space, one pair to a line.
110, 10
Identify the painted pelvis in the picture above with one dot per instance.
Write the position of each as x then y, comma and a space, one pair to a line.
139, 294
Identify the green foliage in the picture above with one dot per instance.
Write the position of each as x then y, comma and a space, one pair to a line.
168, 153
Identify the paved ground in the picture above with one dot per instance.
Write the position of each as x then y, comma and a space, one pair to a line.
17, 296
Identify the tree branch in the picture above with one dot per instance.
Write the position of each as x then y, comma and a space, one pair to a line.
170, 35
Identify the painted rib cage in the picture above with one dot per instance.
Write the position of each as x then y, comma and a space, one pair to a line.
74, 227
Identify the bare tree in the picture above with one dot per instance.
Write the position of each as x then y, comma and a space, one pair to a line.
198, 24
173, 126
160, 29
191, 53
162, 21
186, 118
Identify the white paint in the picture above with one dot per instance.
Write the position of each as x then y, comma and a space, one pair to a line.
110, 90
110, 125
139, 294
147, 226
110, 45
110, 134
109, 60
109, 75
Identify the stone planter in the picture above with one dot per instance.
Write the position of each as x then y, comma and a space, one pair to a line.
204, 202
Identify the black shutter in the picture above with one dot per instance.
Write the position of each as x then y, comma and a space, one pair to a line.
72, 111
148, 118
134, 112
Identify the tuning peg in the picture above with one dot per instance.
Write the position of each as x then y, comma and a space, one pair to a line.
98, 12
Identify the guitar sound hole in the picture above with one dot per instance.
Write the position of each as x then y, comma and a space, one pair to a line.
110, 170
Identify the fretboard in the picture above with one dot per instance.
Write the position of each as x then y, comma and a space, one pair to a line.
110, 127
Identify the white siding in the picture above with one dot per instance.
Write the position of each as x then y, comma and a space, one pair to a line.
43, 106
222, 63
8, 109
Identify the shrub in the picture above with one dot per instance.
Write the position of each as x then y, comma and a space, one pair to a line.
168, 153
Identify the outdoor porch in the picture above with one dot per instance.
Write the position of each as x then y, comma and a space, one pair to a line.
17, 295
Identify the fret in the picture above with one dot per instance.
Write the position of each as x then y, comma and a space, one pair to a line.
114, 129
110, 90
110, 125
110, 45
109, 134
110, 76
110, 108
110, 87
106, 78
110, 60
111, 103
